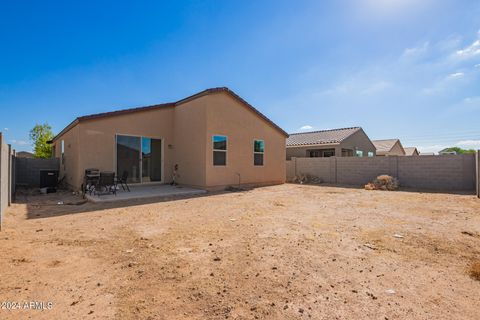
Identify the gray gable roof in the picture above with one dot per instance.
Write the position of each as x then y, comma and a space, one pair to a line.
333, 136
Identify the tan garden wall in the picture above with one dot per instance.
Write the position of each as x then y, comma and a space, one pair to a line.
446, 173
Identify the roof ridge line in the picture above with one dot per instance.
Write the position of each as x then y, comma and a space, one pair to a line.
326, 130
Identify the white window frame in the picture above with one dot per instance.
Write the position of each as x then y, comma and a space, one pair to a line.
255, 152
62, 151
219, 150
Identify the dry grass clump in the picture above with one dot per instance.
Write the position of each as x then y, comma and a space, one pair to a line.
383, 182
306, 178
474, 270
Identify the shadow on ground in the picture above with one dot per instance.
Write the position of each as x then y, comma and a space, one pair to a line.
401, 189
39, 206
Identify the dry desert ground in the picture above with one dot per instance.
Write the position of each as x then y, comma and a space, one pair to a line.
280, 252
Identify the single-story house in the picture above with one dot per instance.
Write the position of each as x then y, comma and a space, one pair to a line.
411, 151
216, 138
447, 151
344, 142
389, 147
24, 154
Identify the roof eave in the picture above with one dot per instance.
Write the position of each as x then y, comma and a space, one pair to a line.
313, 145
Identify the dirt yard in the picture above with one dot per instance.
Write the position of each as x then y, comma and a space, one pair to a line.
282, 252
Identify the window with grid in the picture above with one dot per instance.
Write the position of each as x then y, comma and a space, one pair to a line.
258, 152
219, 150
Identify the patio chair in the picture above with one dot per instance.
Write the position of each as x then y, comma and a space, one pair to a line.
106, 183
90, 181
123, 181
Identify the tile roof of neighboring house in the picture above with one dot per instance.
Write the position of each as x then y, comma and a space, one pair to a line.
410, 151
384, 145
171, 104
333, 136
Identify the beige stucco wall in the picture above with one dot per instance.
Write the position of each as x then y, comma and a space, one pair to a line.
190, 141
226, 116
186, 131
69, 166
91, 144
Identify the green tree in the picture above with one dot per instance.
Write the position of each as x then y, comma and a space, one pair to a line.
39, 136
460, 150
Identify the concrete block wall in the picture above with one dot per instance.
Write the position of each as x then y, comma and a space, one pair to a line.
4, 177
477, 165
318, 167
359, 171
444, 173
27, 171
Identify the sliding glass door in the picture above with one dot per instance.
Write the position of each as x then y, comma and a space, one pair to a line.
151, 159
139, 158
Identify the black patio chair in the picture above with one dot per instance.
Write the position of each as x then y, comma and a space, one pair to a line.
106, 183
90, 181
123, 181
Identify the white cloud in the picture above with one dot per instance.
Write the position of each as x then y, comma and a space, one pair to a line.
19, 142
5, 129
306, 127
416, 52
469, 51
457, 75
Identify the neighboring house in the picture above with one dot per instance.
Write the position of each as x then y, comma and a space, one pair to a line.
427, 153
447, 151
411, 151
24, 154
344, 142
216, 138
389, 147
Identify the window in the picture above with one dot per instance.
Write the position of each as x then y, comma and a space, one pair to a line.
219, 150
370, 153
258, 151
359, 153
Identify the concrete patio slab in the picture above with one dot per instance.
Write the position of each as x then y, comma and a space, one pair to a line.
146, 191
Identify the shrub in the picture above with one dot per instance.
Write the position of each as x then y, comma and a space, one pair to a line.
306, 178
475, 270
383, 182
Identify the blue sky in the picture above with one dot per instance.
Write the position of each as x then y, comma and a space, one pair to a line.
398, 68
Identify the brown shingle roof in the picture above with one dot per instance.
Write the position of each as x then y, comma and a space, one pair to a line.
171, 104
384, 145
332, 136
